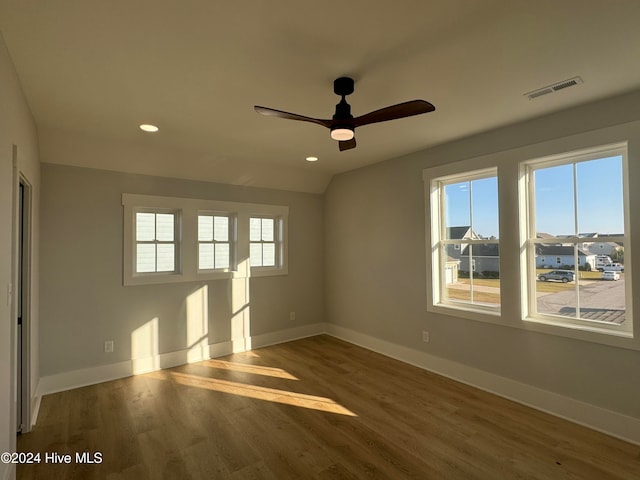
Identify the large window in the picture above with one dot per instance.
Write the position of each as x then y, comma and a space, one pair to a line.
466, 255
561, 262
576, 204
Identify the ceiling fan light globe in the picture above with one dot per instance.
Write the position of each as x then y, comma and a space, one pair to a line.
342, 134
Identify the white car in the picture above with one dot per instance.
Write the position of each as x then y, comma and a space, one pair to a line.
612, 267
609, 275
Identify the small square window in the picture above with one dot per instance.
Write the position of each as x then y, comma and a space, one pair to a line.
214, 241
155, 242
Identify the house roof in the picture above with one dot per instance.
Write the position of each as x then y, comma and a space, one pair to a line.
92, 71
559, 250
483, 250
458, 233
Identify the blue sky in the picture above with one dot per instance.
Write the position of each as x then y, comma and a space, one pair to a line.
599, 199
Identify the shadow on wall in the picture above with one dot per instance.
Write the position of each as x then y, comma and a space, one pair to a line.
145, 340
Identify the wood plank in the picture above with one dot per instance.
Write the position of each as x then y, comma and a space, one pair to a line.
316, 408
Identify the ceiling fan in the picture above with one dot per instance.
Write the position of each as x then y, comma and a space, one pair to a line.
343, 124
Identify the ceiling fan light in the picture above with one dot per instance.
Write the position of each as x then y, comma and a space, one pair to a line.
342, 133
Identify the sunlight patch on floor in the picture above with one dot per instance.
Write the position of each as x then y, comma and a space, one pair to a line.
248, 368
260, 393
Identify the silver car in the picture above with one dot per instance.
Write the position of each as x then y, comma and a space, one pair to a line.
563, 276
610, 275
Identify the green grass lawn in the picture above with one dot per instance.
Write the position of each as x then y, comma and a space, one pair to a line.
542, 287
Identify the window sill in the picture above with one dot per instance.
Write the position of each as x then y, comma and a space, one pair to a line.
590, 333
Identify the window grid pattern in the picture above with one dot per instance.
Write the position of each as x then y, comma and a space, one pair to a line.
582, 307
156, 244
263, 241
468, 261
214, 241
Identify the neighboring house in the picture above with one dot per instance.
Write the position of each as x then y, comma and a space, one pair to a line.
458, 233
603, 248
555, 256
484, 258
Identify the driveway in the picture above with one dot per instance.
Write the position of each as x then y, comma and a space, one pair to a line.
599, 300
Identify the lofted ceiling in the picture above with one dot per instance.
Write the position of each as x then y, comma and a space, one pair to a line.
93, 70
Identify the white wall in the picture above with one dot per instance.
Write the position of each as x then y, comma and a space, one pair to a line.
16, 128
84, 302
376, 280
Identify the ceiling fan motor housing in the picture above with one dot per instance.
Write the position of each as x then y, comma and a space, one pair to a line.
343, 86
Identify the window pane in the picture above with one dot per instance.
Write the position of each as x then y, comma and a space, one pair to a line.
255, 225
484, 207
222, 255
457, 213
600, 204
164, 227
205, 228
268, 226
145, 257
205, 256
268, 254
554, 200
145, 227
221, 232
602, 294
475, 277
255, 255
166, 258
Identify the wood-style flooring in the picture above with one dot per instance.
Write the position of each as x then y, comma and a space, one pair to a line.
317, 408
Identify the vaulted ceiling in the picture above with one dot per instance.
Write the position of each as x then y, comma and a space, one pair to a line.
97, 69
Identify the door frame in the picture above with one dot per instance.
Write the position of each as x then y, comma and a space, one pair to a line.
22, 278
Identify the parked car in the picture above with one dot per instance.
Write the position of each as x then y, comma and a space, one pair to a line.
612, 267
563, 276
610, 275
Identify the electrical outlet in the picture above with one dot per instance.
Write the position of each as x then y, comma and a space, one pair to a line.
108, 346
425, 336
292, 316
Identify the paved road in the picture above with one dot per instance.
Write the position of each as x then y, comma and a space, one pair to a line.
599, 300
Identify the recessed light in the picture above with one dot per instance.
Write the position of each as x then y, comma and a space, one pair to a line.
312, 159
148, 128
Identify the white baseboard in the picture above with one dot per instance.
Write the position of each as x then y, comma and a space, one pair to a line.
597, 418
103, 373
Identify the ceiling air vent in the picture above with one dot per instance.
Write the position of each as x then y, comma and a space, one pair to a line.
554, 88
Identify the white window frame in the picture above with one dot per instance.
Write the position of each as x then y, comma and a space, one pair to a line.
514, 262
529, 240
436, 254
188, 236
175, 242
278, 236
232, 236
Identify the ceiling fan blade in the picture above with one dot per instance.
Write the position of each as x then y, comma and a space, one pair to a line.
401, 110
290, 116
347, 144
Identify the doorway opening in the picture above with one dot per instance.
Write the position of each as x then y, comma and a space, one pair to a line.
23, 292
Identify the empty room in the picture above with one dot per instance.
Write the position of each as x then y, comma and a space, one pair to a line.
320, 240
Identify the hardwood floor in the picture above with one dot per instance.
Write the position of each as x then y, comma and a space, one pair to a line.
316, 408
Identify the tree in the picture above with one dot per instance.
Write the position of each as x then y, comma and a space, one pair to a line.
618, 255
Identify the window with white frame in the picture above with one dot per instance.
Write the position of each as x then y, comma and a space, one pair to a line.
569, 197
263, 241
464, 222
171, 239
156, 242
215, 237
